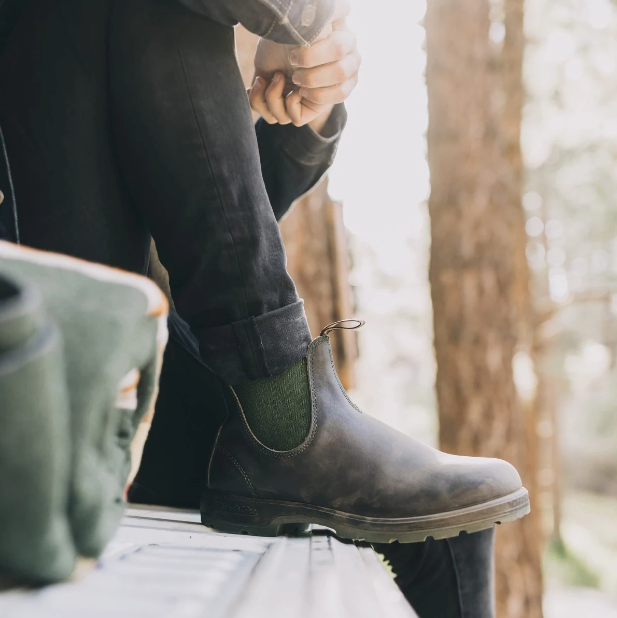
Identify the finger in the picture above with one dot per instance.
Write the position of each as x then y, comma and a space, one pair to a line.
275, 100
299, 113
328, 74
293, 104
331, 95
257, 98
338, 45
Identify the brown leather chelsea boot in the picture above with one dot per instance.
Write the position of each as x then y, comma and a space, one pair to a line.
352, 474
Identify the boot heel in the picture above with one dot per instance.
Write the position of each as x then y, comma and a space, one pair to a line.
240, 515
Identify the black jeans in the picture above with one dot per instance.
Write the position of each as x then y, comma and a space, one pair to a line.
125, 118
450, 578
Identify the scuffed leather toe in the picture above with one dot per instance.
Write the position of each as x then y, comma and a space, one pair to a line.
475, 480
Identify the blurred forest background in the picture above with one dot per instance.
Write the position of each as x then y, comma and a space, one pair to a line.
499, 337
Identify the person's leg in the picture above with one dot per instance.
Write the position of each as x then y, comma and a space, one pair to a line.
450, 578
189, 411
187, 146
54, 113
293, 448
99, 97
474, 557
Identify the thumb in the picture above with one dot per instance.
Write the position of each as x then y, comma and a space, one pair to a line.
293, 104
297, 111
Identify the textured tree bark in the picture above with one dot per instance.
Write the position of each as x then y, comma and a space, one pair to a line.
530, 529
513, 100
473, 273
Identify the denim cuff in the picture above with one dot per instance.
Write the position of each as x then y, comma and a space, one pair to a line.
258, 347
308, 147
301, 21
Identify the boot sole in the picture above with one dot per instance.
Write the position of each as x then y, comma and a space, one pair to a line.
244, 515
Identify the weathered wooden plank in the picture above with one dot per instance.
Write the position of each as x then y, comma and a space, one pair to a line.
164, 563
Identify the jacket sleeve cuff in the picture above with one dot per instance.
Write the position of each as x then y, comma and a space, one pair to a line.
308, 147
298, 21
292, 22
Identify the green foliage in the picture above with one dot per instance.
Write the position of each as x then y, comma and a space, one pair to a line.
567, 568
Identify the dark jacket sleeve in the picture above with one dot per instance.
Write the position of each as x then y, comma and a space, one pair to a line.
293, 159
293, 22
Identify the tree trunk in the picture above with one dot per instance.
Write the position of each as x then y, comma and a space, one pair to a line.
529, 529
473, 273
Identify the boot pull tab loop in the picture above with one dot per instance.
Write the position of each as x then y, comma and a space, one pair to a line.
340, 325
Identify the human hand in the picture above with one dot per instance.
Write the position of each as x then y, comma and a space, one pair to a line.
300, 85
271, 57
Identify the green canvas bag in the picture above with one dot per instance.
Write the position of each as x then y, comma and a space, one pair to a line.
36, 543
112, 326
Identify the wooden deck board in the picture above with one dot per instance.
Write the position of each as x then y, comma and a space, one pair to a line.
164, 563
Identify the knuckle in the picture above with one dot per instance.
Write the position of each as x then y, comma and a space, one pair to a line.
340, 93
339, 48
350, 87
308, 79
315, 80
341, 73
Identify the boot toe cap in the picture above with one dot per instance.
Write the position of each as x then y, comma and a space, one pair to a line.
482, 480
